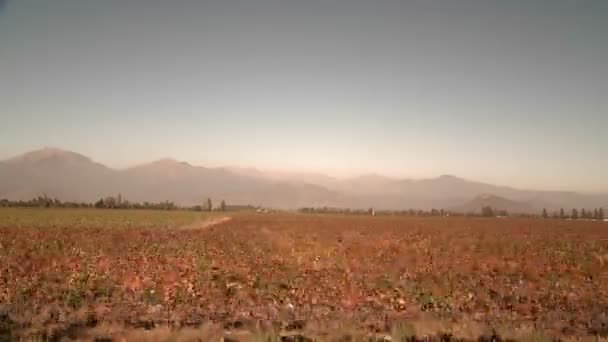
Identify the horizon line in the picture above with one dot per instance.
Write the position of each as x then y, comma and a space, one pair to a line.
295, 173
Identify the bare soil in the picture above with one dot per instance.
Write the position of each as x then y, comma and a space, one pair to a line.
210, 222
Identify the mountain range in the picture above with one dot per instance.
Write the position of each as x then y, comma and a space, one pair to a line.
71, 176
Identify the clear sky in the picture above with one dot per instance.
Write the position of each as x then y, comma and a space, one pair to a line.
512, 92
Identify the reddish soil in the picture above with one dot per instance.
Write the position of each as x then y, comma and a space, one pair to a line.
321, 276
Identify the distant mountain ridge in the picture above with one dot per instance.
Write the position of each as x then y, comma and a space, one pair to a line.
71, 176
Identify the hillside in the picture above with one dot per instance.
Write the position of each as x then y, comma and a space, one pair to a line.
72, 176
496, 203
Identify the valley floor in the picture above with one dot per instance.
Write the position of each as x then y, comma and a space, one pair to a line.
258, 276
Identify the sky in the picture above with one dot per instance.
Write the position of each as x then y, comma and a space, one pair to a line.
509, 92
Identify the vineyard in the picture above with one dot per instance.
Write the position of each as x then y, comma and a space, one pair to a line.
84, 274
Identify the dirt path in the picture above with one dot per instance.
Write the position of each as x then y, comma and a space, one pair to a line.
207, 223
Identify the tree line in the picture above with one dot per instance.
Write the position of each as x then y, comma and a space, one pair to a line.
587, 214
486, 211
119, 202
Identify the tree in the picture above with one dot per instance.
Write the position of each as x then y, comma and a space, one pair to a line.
99, 204
209, 204
574, 215
487, 211
167, 205
223, 206
600, 214
127, 204
595, 214
562, 214
110, 202
545, 214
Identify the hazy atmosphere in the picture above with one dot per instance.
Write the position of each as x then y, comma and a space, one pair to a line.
509, 92
304, 170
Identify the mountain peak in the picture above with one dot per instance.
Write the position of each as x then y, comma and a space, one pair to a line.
167, 163
448, 177
49, 153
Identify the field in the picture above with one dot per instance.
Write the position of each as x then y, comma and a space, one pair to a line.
156, 275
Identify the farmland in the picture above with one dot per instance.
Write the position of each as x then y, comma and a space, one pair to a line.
85, 273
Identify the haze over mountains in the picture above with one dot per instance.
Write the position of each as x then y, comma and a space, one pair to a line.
74, 177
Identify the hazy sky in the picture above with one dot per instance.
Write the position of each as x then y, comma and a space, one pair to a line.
512, 92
